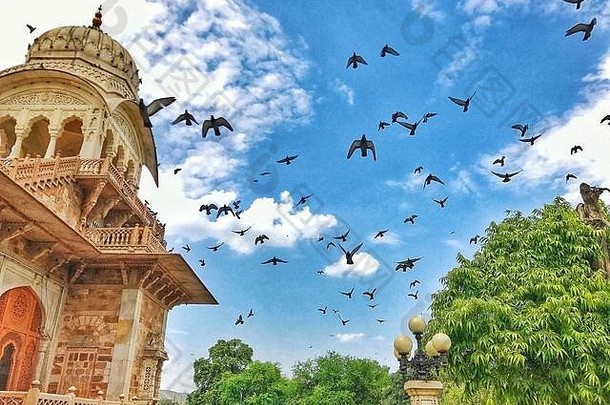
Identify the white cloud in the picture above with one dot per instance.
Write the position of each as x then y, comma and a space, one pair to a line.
349, 337
410, 182
463, 183
346, 91
364, 265
427, 8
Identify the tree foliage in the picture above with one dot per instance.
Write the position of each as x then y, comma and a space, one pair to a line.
528, 316
259, 384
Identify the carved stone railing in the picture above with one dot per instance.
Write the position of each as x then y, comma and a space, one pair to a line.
12, 397
136, 239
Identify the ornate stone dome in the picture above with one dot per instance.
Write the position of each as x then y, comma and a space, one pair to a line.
88, 44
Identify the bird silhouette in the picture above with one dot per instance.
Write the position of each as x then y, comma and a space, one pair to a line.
606, 118
577, 2
414, 283
288, 159
240, 320
147, 111
242, 232
380, 234
372, 306
364, 145
370, 294
343, 321
320, 272
427, 116
177, 169
413, 295
418, 170
499, 161
323, 310
342, 237
348, 294
202, 262
532, 139
441, 202
349, 256
575, 149
215, 124
410, 219
354, 60
187, 248
380, 320
329, 244
250, 313
187, 117
226, 210
411, 127
31, 28
581, 27
506, 177
260, 239
570, 176
387, 49
208, 208
274, 261
215, 247
304, 199
521, 128
474, 239
463, 103
407, 264
430, 178
398, 114
236, 204
382, 125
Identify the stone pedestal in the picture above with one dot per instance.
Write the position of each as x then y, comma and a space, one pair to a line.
424, 392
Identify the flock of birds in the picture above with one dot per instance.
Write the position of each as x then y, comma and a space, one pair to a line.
364, 146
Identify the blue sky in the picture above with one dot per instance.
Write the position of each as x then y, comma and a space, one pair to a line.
277, 71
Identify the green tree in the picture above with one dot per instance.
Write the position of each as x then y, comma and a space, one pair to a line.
529, 316
336, 379
259, 384
232, 356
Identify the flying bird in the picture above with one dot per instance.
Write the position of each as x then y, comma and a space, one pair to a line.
147, 111
577, 2
532, 139
348, 294
354, 60
474, 239
187, 117
406, 264
215, 124
370, 294
242, 232
418, 169
410, 219
575, 149
413, 295
349, 256
329, 244
428, 115
31, 28
260, 239
372, 306
240, 320
177, 169
398, 114
606, 118
250, 313
288, 159
364, 145
521, 128
274, 261
430, 178
581, 27
388, 50
380, 234
506, 177
570, 176
382, 125
463, 103
343, 321
342, 237
226, 210
208, 208
323, 310
216, 247
202, 262
187, 248
499, 161
414, 283
441, 202
304, 199
409, 126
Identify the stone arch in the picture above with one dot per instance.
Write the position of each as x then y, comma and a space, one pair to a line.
21, 316
70, 140
108, 145
7, 135
37, 137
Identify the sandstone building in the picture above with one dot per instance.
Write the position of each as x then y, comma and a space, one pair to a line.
86, 282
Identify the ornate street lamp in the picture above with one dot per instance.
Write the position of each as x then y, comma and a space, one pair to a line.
421, 369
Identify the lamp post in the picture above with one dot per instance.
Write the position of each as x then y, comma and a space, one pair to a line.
420, 370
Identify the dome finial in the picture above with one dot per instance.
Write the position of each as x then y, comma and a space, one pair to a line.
97, 20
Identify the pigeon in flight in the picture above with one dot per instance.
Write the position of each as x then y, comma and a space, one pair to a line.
288, 159
570, 176
431, 177
418, 169
406, 264
409, 126
226, 210
499, 161
342, 237
606, 118
410, 219
250, 313
349, 256
215, 124
532, 139
372, 306
521, 128
274, 261
382, 125
354, 60
215, 247
474, 239
380, 320
414, 283
380, 234
577, 2
388, 50
187, 248
586, 28
343, 321
177, 169
427, 116
399, 114
242, 232
187, 117
506, 177
240, 320
370, 294
147, 111
329, 244
31, 28
348, 294
208, 208
364, 145
323, 310
260, 239
304, 199
413, 295
202, 262
575, 149
463, 103
441, 202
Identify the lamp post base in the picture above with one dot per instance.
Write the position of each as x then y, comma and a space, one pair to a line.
424, 392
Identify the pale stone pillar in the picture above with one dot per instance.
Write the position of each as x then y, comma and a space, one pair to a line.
53, 135
424, 392
16, 150
124, 353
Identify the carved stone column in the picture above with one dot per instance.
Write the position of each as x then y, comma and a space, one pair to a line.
424, 392
53, 135
16, 149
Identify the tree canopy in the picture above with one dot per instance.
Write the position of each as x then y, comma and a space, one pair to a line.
529, 315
